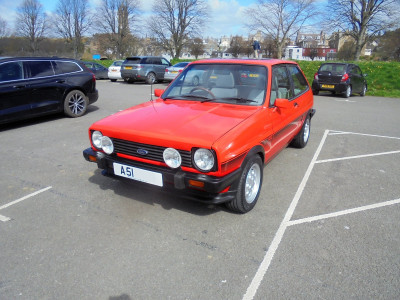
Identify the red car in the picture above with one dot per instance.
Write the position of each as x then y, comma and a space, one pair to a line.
209, 142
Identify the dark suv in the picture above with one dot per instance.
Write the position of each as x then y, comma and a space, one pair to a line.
144, 68
342, 78
31, 87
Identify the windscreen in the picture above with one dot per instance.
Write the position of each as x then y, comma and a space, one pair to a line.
228, 83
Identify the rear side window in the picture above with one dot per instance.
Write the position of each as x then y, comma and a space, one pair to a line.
63, 67
299, 82
11, 71
39, 68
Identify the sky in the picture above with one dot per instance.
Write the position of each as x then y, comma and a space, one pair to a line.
227, 16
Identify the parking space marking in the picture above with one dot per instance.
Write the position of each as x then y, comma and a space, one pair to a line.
286, 222
335, 132
356, 156
263, 268
4, 218
343, 212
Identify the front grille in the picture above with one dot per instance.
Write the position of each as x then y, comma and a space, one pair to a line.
154, 152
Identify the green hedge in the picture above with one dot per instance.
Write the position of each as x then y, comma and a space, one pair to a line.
382, 77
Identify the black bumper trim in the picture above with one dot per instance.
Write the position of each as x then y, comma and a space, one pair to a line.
176, 181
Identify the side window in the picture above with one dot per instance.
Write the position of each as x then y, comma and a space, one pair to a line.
39, 68
165, 62
299, 82
11, 71
157, 61
356, 70
62, 67
147, 61
280, 87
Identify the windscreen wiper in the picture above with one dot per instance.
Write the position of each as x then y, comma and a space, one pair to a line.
238, 99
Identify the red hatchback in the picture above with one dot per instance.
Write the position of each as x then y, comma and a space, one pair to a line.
209, 142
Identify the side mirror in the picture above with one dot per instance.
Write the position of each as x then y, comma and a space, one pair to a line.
158, 92
282, 103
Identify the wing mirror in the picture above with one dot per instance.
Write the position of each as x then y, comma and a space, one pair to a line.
158, 92
282, 103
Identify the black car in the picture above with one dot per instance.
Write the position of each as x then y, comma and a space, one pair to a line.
98, 70
31, 87
144, 68
341, 78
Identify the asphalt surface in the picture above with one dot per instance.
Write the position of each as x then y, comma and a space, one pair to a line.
326, 225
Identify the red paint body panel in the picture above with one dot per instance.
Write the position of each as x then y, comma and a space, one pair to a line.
230, 129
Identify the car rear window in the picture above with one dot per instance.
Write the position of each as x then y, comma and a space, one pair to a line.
11, 71
133, 60
333, 68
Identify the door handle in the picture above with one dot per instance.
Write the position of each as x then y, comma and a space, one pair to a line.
295, 104
60, 81
19, 86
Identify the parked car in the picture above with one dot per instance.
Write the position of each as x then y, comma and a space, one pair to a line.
209, 142
98, 70
114, 71
35, 86
340, 78
173, 71
144, 68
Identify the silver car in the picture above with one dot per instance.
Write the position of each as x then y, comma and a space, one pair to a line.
114, 71
144, 68
172, 72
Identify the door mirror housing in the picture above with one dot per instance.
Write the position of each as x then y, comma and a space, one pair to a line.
158, 92
282, 103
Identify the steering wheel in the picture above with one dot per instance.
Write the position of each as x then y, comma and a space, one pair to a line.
203, 89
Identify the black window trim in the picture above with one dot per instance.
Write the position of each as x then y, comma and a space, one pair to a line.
34, 78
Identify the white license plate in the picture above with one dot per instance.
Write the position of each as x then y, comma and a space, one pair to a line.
138, 174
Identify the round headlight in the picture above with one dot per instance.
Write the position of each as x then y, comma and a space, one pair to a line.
107, 145
204, 159
172, 158
96, 139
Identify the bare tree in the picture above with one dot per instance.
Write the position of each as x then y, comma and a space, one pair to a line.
3, 28
363, 19
31, 22
71, 20
116, 19
237, 46
196, 47
175, 21
280, 19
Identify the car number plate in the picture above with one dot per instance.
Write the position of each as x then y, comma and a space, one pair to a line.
328, 86
128, 68
138, 174
174, 72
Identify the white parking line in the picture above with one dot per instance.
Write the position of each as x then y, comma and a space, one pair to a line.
343, 212
263, 268
357, 156
4, 218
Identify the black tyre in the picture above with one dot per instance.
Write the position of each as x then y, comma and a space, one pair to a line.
249, 187
151, 78
301, 139
347, 93
315, 92
113, 80
363, 91
75, 104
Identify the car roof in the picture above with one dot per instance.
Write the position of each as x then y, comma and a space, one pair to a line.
265, 62
5, 59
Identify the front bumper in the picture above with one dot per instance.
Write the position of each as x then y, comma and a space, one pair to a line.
216, 190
